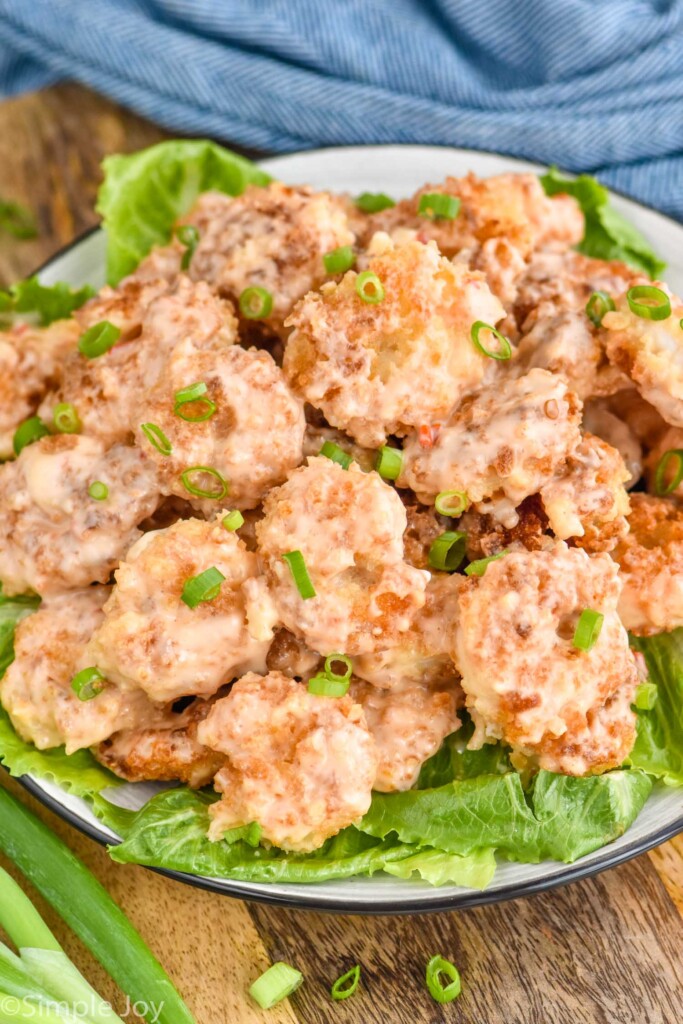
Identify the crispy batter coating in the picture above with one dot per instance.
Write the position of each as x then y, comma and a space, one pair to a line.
650, 559
53, 535
348, 525
566, 709
254, 437
599, 419
382, 368
151, 640
299, 765
487, 536
510, 438
290, 656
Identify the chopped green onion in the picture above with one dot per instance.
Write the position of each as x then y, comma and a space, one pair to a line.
345, 986
338, 261
65, 418
389, 462
374, 202
323, 686
17, 220
87, 683
646, 696
436, 967
157, 438
98, 339
191, 393
648, 301
661, 487
479, 567
202, 492
334, 659
588, 629
275, 984
369, 287
447, 551
599, 304
194, 393
188, 236
297, 567
256, 303
451, 503
28, 432
438, 206
19, 918
504, 350
98, 490
204, 587
332, 451
233, 520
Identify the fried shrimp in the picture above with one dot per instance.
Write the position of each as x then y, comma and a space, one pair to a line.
599, 419
650, 559
509, 439
377, 368
247, 426
565, 709
348, 527
486, 536
152, 640
36, 689
54, 535
299, 765
271, 237
424, 526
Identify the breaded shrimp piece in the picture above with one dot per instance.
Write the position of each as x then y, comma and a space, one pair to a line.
588, 500
599, 419
272, 237
290, 656
486, 536
170, 752
53, 535
651, 354
253, 439
348, 526
381, 368
151, 640
565, 709
299, 765
108, 391
650, 559
510, 438
641, 418
408, 725
30, 364
36, 689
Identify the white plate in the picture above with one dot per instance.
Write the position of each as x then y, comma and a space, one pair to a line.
397, 170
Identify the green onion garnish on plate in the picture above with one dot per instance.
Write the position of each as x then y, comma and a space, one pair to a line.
188, 236
649, 302
338, 261
233, 520
88, 683
438, 206
336, 454
256, 303
451, 503
65, 418
661, 486
369, 287
28, 432
215, 493
480, 565
389, 462
194, 394
204, 587
98, 339
297, 567
374, 202
157, 438
447, 551
599, 304
504, 350
98, 490
588, 629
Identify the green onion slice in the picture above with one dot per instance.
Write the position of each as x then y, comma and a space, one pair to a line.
345, 986
17, 220
369, 287
256, 303
451, 503
194, 393
661, 487
204, 587
646, 696
588, 629
338, 261
374, 202
389, 462
98, 490
233, 520
337, 659
297, 567
447, 551
479, 567
220, 491
65, 418
439, 206
437, 967
188, 236
504, 350
323, 686
28, 432
599, 304
332, 451
278, 982
87, 683
98, 339
648, 301
157, 438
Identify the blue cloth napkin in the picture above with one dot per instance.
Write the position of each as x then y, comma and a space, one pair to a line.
591, 85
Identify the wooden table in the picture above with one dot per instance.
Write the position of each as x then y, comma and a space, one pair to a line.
604, 951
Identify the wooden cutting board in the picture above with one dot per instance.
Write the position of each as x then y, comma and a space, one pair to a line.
603, 951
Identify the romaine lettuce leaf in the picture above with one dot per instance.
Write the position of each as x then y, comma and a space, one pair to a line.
48, 302
144, 193
475, 871
453, 761
658, 749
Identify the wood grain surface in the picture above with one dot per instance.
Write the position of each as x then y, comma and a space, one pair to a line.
603, 951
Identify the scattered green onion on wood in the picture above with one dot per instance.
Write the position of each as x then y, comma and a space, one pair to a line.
233, 520
374, 202
661, 486
338, 261
438, 206
188, 236
157, 438
447, 551
646, 696
28, 432
369, 288
332, 451
194, 394
256, 303
275, 984
297, 567
451, 503
88, 683
504, 350
216, 493
204, 587
649, 302
480, 565
389, 462
599, 304
345, 986
98, 339
437, 967
65, 418
588, 629
98, 490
